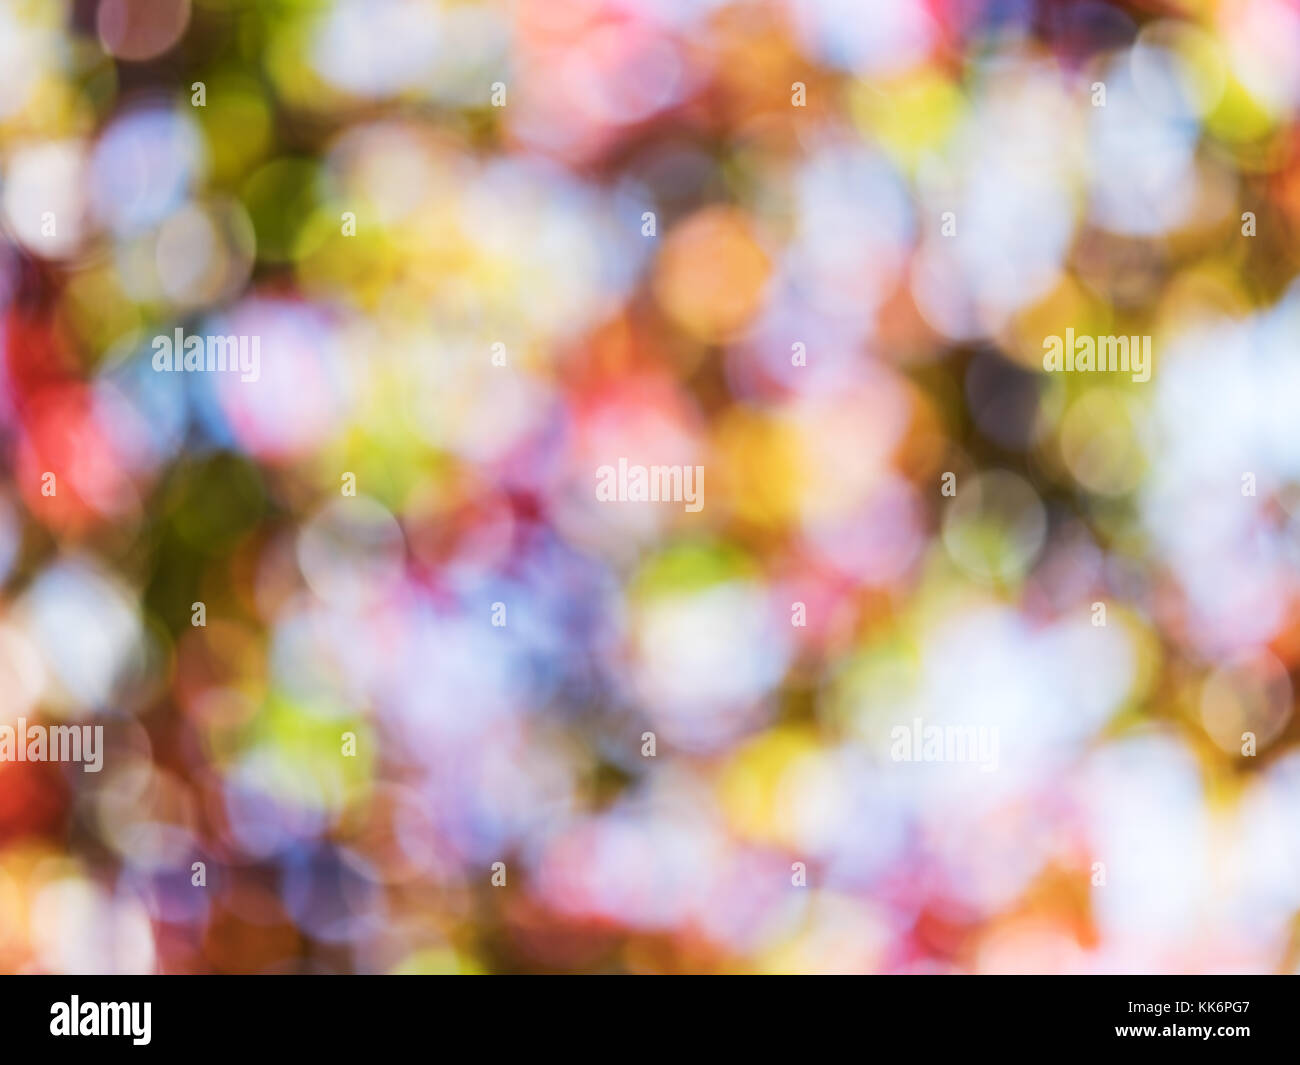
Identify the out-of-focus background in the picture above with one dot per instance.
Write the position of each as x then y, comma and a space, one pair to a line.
812, 246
